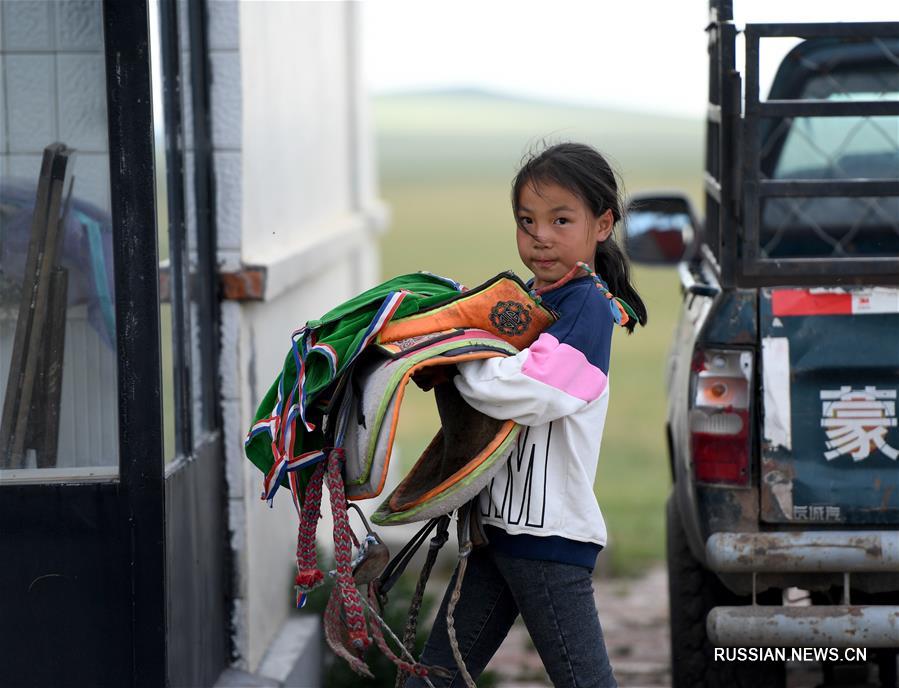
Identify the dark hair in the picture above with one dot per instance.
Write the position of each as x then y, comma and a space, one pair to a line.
583, 171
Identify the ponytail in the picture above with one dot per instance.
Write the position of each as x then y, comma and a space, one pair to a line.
611, 264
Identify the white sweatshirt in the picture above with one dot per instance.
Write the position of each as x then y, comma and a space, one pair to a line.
558, 388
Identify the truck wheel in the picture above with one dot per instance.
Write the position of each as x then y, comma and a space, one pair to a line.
692, 592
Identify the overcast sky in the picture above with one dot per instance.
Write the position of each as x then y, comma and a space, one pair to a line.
632, 54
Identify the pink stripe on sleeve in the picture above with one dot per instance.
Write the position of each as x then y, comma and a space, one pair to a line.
564, 367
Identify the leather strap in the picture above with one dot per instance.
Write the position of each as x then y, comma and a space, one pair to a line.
392, 572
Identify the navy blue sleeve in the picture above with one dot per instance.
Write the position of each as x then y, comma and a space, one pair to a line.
585, 323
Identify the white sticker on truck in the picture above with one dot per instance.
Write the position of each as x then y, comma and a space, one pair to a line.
776, 391
878, 300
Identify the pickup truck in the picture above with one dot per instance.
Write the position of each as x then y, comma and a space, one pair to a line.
783, 376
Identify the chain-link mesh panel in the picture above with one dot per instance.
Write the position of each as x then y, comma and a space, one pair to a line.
830, 227
835, 148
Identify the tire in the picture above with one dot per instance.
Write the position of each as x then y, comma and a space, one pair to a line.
692, 592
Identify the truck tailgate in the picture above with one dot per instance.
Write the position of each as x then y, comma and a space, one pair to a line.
829, 380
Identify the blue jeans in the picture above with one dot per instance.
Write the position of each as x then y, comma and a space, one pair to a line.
556, 603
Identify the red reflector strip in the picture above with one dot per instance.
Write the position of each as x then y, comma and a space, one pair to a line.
786, 302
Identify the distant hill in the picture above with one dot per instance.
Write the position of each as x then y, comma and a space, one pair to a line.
431, 136
479, 93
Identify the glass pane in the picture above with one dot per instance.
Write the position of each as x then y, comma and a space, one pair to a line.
201, 265
845, 147
167, 293
57, 315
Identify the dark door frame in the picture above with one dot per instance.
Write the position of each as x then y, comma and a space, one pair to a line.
130, 116
89, 569
82, 585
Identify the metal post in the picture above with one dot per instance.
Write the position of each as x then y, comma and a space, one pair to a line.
126, 31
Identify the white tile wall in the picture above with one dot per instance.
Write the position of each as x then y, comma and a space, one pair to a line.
81, 101
22, 166
228, 198
224, 25
91, 178
53, 88
27, 25
3, 147
79, 25
239, 549
226, 98
30, 101
229, 355
229, 260
234, 455
226, 103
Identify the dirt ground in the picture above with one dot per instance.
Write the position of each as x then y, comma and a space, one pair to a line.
634, 617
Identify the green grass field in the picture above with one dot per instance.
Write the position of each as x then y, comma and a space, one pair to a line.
446, 161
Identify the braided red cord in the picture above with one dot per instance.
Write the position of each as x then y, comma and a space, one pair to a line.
335, 635
349, 630
343, 553
308, 574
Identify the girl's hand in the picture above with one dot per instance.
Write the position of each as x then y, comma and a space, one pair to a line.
430, 377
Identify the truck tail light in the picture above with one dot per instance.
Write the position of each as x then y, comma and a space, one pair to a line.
720, 391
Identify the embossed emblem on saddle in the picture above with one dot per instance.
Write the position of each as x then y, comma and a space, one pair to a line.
511, 317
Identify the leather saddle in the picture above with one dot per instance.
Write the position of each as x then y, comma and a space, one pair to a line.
497, 319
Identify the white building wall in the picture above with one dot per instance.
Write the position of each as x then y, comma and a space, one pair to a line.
296, 197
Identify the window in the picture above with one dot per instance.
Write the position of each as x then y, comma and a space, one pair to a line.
57, 318
835, 148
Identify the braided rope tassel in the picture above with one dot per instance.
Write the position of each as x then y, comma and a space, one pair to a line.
309, 576
402, 665
336, 637
343, 553
621, 311
451, 625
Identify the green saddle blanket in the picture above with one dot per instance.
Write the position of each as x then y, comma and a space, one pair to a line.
320, 352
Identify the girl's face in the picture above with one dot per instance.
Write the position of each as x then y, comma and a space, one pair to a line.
556, 230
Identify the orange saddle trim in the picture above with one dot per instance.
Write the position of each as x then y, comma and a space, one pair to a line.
501, 306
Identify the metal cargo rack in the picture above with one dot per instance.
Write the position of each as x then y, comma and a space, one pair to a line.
735, 187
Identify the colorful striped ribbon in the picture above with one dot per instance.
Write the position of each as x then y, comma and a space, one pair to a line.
281, 423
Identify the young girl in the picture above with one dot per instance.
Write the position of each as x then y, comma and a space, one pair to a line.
540, 514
